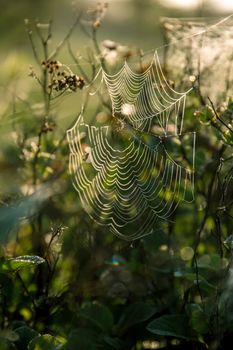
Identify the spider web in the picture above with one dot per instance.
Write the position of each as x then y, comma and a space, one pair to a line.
207, 56
146, 98
130, 173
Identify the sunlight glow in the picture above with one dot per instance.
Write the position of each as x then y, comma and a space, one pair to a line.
219, 5
222, 5
184, 4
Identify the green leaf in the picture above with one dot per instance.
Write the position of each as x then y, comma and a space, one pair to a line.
99, 315
45, 342
170, 325
134, 314
115, 343
185, 274
26, 334
214, 263
9, 334
20, 262
80, 339
5, 344
207, 287
192, 277
197, 317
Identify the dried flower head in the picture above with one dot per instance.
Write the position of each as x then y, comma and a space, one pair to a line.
60, 79
97, 14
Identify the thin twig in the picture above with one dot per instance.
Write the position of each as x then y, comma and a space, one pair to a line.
36, 56
208, 201
217, 116
60, 45
194, 262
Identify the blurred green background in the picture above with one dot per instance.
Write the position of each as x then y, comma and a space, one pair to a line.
94, 289
129, 22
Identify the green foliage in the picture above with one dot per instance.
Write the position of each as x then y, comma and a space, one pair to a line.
81, 339
20, 262
68, 284
197, 318
99, 315
25, 335
134, 314
6, 344
45, 342
170, 325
